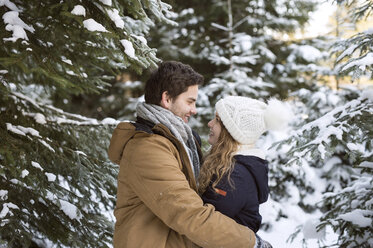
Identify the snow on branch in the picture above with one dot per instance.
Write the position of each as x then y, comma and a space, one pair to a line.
15, 25
361, 62
314, 138
218, 26
60, 116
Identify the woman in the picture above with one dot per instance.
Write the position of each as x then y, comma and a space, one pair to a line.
234, 175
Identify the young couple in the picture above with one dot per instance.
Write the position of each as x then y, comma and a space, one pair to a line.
167, 196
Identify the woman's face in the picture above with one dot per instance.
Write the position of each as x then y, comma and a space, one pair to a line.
215, 129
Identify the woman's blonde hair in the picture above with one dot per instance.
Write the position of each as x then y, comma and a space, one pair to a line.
219, 161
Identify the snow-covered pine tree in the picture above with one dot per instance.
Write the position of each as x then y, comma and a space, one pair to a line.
350, 206
334, 139
338, 148
253, 58
354, 54
56, 185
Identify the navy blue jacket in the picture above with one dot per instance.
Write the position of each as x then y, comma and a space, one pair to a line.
250, 188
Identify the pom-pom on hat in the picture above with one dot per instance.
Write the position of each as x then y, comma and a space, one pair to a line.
247, 119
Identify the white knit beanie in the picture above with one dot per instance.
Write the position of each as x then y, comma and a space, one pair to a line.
246, 119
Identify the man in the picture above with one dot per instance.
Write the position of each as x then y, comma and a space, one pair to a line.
157, 204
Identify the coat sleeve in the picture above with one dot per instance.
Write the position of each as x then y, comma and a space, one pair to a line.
159, 182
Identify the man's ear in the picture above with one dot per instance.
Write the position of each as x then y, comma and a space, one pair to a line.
166, 100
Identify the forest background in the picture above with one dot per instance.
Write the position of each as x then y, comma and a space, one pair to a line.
71, 70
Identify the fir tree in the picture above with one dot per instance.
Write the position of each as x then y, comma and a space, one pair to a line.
354, 54
338, 146
334, 139
251, 56
57, 187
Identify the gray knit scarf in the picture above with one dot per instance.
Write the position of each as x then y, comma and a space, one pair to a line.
177, 126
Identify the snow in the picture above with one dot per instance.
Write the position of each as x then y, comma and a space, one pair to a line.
27, 130
36, 165
51, 177
9, 5
93, 26
81, 153
367, 93
367, 164
357, 217
189, 11
362, 62
347, 52
128, 48
65, 184
16, 26
15, 130
78, 10
26, 98
6, 209
267, 53
46, 145
116, 18
281, 230
110, 121
268, 68
67, 61
310, 231
308, 53
24, 173
72, 73
356, 147
60, 120
141, 38
218, 26
106, 2
14, 181
70, 210
50, 196
3, 194
40, 118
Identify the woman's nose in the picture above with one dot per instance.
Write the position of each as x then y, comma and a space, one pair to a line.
209, 124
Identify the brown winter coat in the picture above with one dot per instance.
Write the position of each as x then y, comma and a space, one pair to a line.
157, 204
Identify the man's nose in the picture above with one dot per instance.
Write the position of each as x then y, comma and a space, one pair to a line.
193, 111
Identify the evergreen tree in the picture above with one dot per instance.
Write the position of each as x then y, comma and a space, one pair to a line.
349, 207
338, 147
354, 54
253, 58
56, 185
203, 33
334, 140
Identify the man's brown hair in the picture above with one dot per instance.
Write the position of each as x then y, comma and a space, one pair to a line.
173, 77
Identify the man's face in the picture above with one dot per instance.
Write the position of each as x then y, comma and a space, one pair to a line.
184, 105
